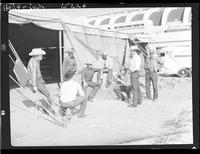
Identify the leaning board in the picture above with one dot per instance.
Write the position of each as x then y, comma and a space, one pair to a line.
20, 72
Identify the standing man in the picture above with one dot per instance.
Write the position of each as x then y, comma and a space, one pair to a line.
36, 82
106, 64
72, 95
134, 67
69, 62
87, 75
151, 69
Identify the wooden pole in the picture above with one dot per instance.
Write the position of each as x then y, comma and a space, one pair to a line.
60, 55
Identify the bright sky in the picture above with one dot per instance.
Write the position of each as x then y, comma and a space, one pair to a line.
91, 11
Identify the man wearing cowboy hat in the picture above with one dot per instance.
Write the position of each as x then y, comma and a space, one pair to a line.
87, 76
36, 82
151, 69
69, 62
123, 87
106, 64
133, 65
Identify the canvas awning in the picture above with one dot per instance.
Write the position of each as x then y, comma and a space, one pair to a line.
51, 18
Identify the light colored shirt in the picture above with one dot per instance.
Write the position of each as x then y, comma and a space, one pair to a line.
134, 63
69, 90
106, 63
33, 70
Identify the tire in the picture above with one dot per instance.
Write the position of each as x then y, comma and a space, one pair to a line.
183, 72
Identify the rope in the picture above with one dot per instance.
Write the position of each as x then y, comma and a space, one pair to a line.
15, 81
34, 114
27, 97
13, 50
11, 59
87, 47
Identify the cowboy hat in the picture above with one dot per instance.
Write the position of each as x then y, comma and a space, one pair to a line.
37, 51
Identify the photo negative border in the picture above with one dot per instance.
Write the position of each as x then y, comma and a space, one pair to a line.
5, 110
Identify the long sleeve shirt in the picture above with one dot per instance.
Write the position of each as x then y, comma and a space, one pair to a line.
134, 63
88, 73
34, 72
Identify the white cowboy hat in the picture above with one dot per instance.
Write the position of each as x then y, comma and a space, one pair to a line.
37, 51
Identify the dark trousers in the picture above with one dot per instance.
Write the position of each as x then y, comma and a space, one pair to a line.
82, 101
95, 87
135, 86
151, 77
119, 89
109, 78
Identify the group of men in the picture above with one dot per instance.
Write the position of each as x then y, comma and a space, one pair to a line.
73, 94
128, 85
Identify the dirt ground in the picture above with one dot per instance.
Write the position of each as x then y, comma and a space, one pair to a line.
109, 121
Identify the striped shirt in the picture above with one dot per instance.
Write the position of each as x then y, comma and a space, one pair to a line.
33, 70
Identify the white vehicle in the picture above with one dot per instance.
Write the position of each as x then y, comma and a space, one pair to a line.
176, 60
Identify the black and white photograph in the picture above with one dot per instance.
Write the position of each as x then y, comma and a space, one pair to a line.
83, 76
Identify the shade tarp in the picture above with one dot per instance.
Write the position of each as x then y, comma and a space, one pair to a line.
50, 19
